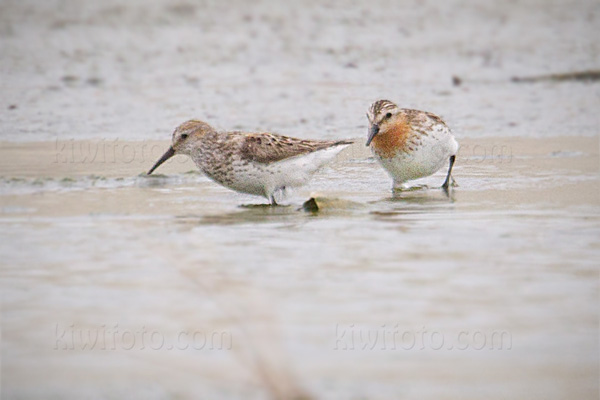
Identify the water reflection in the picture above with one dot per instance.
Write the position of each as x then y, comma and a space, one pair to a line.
247, 214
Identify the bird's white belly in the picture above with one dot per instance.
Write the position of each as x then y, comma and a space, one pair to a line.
265, 178
430, 156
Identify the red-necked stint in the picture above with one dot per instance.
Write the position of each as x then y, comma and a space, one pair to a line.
410, 144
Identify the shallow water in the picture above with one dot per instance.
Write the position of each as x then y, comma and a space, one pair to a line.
490, 291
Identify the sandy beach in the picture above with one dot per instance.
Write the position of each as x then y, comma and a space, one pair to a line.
120, 285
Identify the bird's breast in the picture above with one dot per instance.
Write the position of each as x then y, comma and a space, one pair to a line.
392, 140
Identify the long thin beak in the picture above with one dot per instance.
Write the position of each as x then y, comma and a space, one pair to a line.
170, 153
372, 132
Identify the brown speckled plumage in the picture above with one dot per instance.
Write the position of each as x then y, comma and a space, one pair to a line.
255, 163
268, 147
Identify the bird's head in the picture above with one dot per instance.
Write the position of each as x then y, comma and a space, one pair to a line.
185, 140
381, 116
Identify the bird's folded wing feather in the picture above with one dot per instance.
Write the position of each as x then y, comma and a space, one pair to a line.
422, 117
266, 147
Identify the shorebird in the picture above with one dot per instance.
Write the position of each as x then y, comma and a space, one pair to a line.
410, 144
255, 163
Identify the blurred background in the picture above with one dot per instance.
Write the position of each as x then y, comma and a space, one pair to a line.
78, 69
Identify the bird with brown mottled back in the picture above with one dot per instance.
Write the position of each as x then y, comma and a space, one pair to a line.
255, 163
410, 144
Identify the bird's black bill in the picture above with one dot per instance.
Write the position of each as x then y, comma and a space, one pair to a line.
372, 132
170, 153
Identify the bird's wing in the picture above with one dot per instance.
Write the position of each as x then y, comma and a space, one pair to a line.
422, 117
268, 147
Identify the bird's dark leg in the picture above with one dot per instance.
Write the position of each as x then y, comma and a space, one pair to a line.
273, 202
448, 177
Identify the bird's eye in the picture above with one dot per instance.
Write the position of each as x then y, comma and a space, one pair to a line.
184, 135
388, 115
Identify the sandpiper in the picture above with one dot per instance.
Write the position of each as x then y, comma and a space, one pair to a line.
409, 144
256, 163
